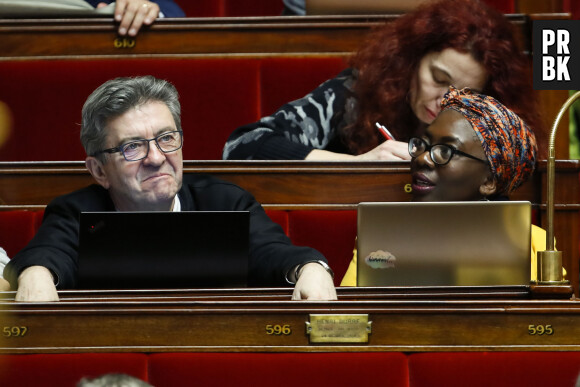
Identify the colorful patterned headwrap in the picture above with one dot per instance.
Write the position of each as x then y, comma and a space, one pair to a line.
508, 143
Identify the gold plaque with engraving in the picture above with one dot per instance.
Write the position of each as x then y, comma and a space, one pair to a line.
343, 328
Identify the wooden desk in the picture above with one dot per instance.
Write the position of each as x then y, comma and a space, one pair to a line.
309, 185
248, 36
402, 319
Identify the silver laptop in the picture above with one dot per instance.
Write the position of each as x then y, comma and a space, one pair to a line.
148, 250
477, 243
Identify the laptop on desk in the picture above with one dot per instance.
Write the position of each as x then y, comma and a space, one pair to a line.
148, 250
444, 243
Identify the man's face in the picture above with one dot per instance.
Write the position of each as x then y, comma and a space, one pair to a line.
149, 184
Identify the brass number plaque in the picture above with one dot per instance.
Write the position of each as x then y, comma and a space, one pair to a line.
124, 43
278, 330
344, 328
540, 330
14, 331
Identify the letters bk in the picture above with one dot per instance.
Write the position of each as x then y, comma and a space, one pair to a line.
556, 54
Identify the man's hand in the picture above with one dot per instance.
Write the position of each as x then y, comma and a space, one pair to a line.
4, 285
314, 283
35, 284
132, 14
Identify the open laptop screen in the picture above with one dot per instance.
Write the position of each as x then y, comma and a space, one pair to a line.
444, 243
121, 250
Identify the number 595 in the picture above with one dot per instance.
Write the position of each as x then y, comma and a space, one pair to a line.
540, 330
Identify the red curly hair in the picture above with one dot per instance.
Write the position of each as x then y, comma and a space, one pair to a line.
390, 58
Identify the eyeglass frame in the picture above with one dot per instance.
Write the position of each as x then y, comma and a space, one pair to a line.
118, 149
454, 151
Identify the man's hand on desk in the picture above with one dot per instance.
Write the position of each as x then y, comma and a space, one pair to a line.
314, 283
4, 285
35, 283
132, 14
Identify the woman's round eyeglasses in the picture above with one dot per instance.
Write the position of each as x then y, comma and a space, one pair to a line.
441, 154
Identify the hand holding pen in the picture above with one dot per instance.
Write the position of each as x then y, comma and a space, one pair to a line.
385, 132
389, 150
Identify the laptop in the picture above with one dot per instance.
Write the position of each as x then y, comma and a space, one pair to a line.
148, 250
478, 243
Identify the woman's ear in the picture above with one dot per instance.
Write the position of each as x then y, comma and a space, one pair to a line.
95, 167
489, 187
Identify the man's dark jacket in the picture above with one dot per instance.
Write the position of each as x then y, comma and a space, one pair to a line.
55, 245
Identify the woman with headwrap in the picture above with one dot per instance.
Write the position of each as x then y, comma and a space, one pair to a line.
476, 149
397, 79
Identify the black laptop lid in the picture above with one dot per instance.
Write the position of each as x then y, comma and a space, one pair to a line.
148, 250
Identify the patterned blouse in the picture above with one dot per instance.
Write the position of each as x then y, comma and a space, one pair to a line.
298, 127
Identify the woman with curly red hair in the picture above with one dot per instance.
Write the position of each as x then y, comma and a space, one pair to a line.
397, 79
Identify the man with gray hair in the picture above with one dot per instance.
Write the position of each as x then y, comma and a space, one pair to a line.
131, 132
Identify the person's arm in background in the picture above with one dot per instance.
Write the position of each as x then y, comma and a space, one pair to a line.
297, 128
307, 129
132, 14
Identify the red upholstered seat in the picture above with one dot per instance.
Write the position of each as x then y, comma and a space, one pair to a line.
278, 369
217, 96
203, 8
16, 229
218, 8
58, 370
46, 98
295, 76
497, 369
279, 217
332, 233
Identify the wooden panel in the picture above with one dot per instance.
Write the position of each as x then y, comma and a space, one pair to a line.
296, 182
34, 39
146, 322
255, 36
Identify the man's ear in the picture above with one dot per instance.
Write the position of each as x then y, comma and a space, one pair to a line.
489, 187
95, 167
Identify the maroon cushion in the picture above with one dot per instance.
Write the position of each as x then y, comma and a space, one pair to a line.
280, 217
278, 369
67, 369
331, 232
286, 79
253, 7
201, 8
16, 229
46, 98
502, 6
497, 369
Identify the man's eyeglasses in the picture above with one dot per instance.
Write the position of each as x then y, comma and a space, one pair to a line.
139, 149
440, 153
